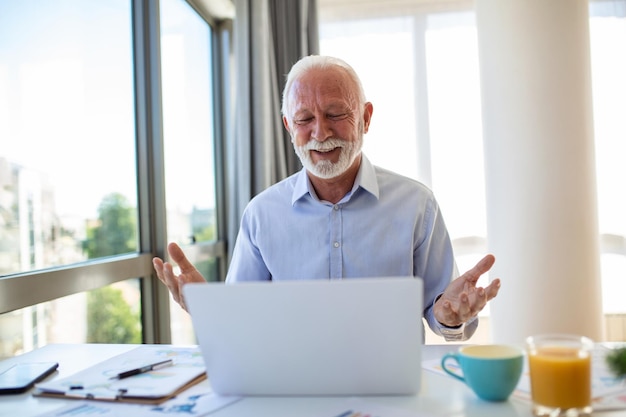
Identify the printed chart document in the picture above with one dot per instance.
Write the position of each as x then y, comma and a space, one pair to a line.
99, 382
197, 401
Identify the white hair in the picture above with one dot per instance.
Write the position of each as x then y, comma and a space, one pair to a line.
312, 62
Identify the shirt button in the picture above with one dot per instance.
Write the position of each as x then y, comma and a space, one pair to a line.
336, 244
336, 207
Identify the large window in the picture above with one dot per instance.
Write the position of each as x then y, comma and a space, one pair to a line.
67, 160
80, 160
427, 121
608, 59
189, 143
435, 80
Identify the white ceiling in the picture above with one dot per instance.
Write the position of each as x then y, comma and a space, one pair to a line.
220, 9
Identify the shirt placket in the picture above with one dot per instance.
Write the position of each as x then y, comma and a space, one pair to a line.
336, 242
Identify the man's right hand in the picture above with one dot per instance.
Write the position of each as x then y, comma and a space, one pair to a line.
165, 272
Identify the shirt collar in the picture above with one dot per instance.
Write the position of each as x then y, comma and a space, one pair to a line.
365, 178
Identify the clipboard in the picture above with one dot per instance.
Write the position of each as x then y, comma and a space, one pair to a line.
99, 383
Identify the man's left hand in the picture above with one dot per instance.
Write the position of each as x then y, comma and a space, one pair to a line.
463, 300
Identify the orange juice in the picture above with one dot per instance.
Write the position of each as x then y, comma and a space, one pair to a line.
560, 377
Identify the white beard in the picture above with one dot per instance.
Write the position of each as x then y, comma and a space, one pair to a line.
327, 169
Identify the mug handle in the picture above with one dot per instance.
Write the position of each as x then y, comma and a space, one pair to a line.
451, 356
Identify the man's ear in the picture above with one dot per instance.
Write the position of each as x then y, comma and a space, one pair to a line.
367, 116
286, 124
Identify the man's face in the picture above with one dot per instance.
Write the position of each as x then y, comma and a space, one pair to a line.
326, 123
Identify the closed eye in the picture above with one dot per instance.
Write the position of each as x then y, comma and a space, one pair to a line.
302, 121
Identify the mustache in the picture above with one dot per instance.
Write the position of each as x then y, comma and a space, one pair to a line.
328, 145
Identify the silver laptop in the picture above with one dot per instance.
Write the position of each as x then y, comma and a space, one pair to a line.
317, 337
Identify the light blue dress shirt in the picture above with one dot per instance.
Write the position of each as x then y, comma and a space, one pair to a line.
387, 225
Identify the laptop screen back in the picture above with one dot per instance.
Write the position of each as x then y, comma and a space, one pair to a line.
346, 337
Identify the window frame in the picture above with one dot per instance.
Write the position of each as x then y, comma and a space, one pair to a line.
21, 290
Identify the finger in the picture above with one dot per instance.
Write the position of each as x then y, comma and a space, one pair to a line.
492, 290
165, 273
476, 299
181, 299
157, 263
452, 316
480, 293
178, 256
171, 281
484, 265
464, 310
448, 314
478, 303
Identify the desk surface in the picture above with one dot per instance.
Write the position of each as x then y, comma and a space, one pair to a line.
439, 395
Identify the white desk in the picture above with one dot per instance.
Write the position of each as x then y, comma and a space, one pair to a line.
439, 395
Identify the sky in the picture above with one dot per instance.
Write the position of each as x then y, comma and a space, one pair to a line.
67, 101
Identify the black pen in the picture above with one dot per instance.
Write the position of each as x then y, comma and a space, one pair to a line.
144, 369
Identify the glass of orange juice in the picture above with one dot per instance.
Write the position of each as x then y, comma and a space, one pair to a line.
560, 374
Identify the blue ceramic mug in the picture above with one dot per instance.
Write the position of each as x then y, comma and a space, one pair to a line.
491, 371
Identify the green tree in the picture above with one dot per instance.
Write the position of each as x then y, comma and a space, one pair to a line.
109, 317
204, 234
116, 229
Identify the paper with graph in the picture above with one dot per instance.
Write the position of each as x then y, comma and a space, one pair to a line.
99, 383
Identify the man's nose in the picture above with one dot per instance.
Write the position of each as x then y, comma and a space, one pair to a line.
321, 130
